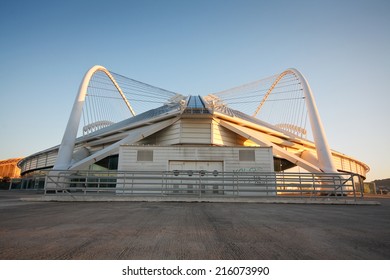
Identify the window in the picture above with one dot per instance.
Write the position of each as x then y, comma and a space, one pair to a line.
246, 155
107, 163
145, 155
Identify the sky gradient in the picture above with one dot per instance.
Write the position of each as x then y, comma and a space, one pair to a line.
197, 47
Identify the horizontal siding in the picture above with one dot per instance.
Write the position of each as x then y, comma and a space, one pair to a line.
51, 158
263, 162
354, 169
194, 138
348, 165
41, 160
222, 136
169, 135
34, 163
338, 162
195, 131
162, 155
23, 167
126, 160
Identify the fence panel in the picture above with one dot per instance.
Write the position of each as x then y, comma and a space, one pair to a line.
202, 183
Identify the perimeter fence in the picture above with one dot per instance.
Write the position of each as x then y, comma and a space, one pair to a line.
195, 184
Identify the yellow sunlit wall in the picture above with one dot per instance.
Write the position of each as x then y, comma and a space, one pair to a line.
9, 168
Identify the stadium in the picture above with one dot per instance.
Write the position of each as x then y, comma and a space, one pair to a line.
9, 169
264, 138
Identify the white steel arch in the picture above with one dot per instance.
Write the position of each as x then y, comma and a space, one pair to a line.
65, 151
322, 147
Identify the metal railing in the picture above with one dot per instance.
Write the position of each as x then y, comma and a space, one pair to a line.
36, 182
204, 184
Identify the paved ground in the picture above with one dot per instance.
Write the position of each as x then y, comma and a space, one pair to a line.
173, 230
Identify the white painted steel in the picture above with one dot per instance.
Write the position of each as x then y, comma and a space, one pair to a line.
322, 147
133, 136
203, 183
65, 152
259, 139
191, 129
323, 151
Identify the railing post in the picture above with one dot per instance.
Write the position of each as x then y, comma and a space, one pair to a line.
238, 185
300, 183
132, 183
335, 188
314, 186
353, 186
86, 183
200, 185
162, 183
10, 184
361, 186
158, 183
124, 182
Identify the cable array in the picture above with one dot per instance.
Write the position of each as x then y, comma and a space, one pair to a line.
278, 100
104, 104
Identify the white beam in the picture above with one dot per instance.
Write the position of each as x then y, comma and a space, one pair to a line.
65, 151
324, 154
133, 137
261, 140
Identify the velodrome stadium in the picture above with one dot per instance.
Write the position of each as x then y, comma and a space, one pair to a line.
126, 137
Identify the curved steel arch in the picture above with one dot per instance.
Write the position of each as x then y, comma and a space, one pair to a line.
88, 77
288, 71
324, 154
65, 152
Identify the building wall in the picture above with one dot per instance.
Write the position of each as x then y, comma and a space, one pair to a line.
9, 168
222, 136
189, 130
196, 131
189, 162
130, 159
342, 163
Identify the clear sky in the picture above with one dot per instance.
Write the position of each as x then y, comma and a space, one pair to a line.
197, 47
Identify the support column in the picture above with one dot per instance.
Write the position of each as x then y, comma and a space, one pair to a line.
65, 152
324, 154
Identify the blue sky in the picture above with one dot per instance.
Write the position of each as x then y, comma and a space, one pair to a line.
197, 47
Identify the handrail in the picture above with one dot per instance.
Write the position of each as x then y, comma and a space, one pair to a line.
203, 183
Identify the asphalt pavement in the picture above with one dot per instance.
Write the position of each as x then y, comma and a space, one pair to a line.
177, 230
